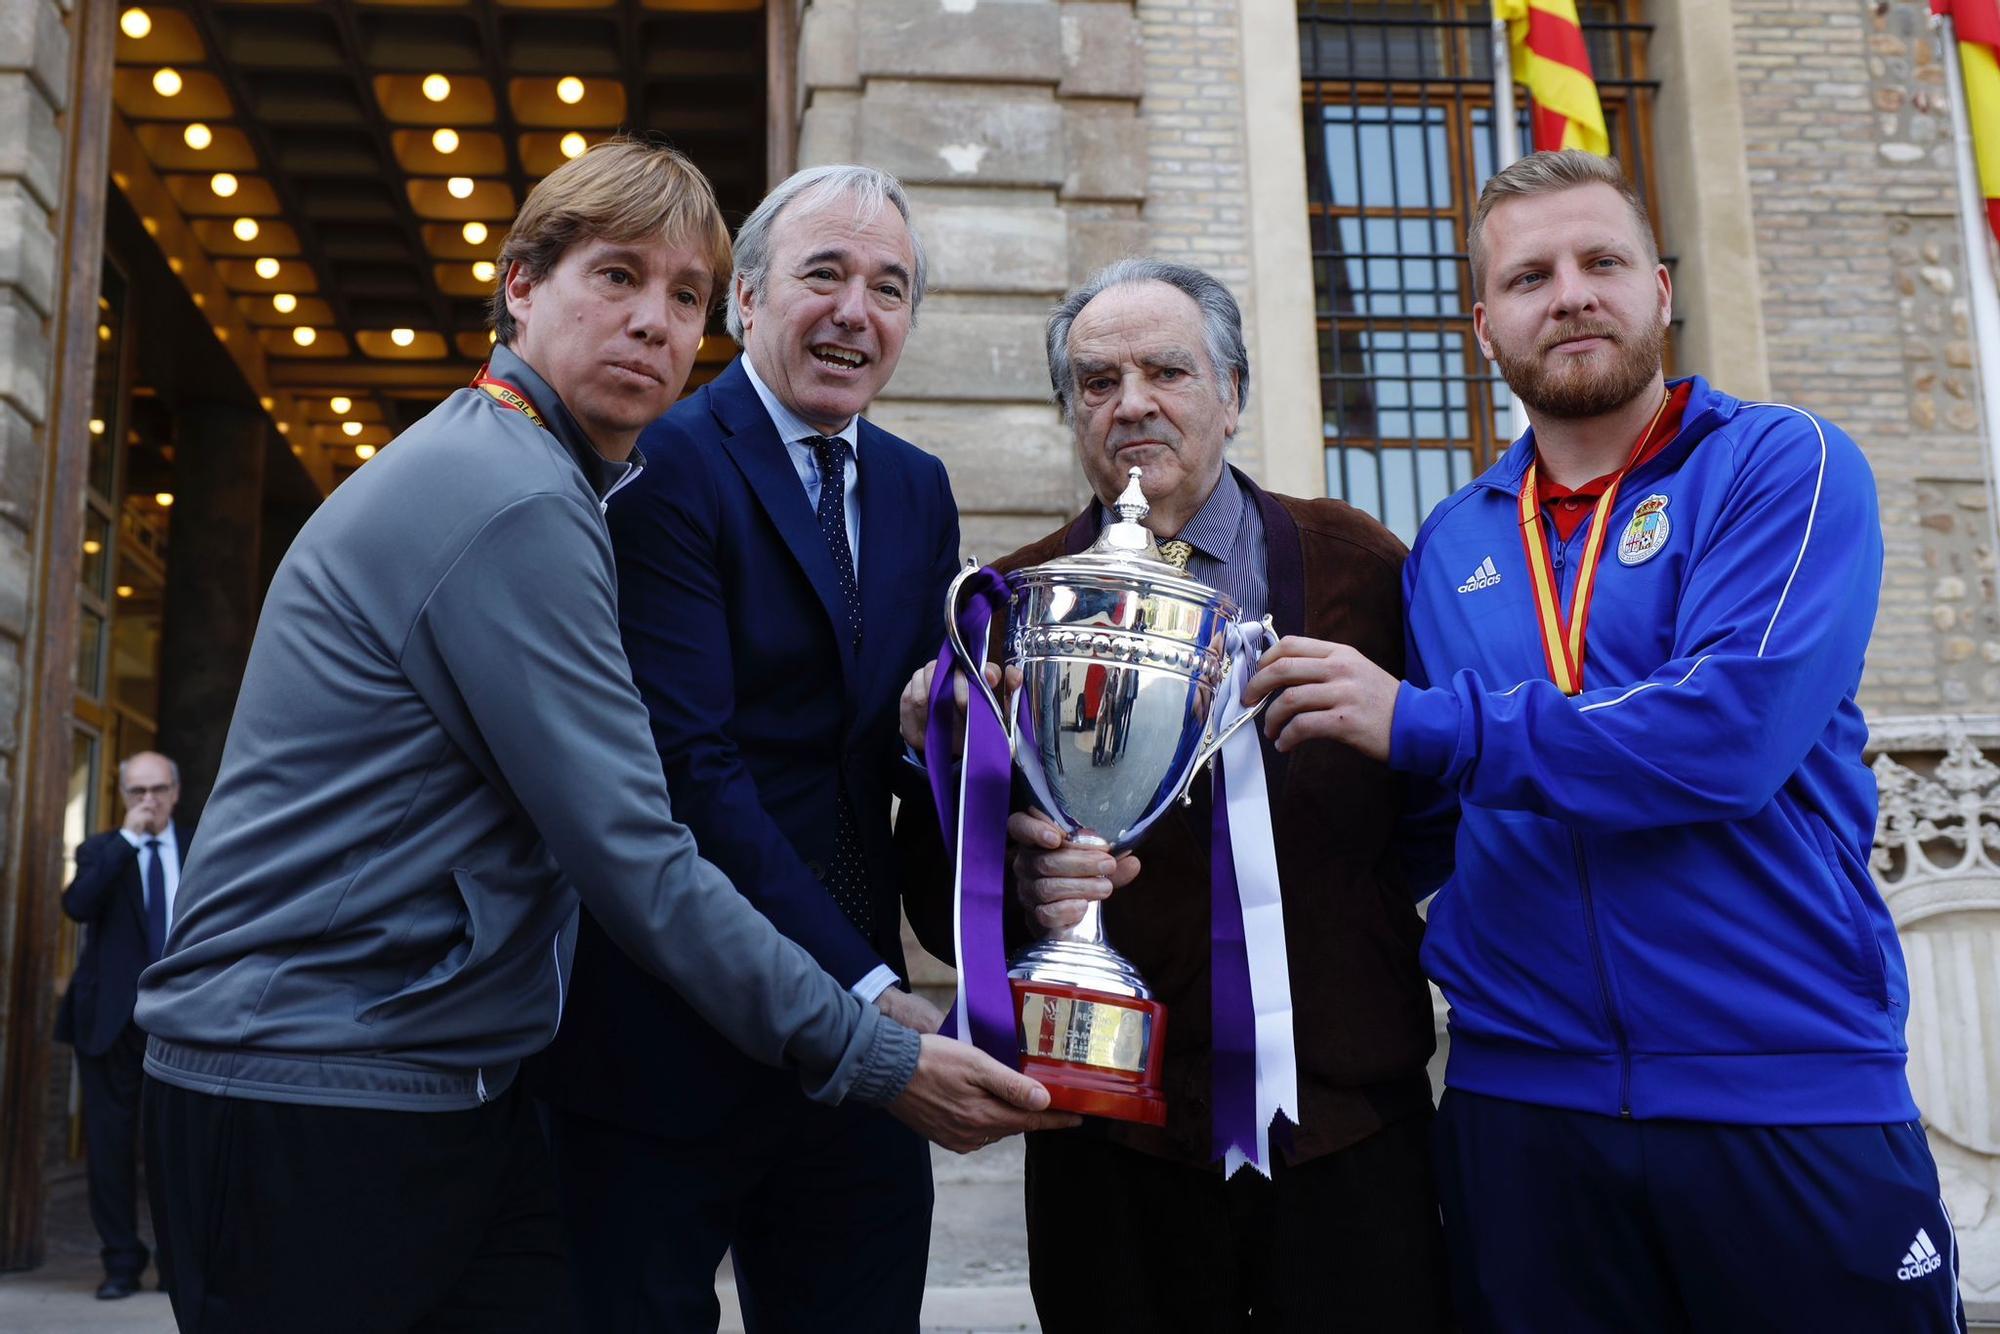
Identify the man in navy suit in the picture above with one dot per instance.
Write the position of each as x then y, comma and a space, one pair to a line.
124, 896
782, 566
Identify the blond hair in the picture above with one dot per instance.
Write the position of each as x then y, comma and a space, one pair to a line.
1548, 173
623, 189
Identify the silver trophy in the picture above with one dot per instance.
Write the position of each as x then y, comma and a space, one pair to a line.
1121, 658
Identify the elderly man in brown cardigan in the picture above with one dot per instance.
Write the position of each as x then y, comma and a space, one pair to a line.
1134, 1227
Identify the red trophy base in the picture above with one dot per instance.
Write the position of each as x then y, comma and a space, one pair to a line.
1097, 1054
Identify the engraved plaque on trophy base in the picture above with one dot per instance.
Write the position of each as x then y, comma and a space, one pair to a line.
1097, 1054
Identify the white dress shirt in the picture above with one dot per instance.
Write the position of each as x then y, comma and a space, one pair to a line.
170, 862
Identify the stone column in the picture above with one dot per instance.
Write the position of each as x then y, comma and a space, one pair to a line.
52, 183
1015, 126
213, 583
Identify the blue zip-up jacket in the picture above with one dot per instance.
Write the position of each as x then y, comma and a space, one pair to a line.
1660, 904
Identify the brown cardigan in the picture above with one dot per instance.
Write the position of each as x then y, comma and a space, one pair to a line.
1362, 1013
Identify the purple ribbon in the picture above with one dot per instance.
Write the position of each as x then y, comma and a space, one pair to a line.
1233, 1072
984, 1015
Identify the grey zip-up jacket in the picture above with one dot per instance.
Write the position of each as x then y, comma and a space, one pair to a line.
437, 748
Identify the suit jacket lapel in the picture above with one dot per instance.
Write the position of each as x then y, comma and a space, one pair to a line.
753, 444
888, 564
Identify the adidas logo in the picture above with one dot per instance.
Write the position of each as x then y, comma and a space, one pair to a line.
1922, 1258
1483, 577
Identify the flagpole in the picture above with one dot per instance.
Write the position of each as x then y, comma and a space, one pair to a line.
1982, 297
1508, 136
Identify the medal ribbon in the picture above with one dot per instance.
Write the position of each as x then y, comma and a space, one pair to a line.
1562, 639
508, 395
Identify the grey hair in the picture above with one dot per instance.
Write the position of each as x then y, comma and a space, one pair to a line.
173, 769
866, 187
1221, 323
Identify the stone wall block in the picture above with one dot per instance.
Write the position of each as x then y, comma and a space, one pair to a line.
991, 536
993, 249
24, 359
27, 248
1017, 41
33, 41
829, 132
1104, 152
957, 355
1012, 457
31, 148
10, 699
1102, 54
963, 136
17, 567
828, 45
1095, 242
20, 468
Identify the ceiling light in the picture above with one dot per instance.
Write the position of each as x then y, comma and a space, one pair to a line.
103, 333
200, 300
459, 187
152, 226
285, 428
436, 87
402, 337
135, 23
573, 144
445, 140
198, 136
350, 428
91, 546
223, 184
124, 590
474, 232
304, 335
484, 270
164, 499
570, 89
341, 404
166, 82
364, 452
267, 402
284, 303
245, 229
97, 426
174, 263
492, 337
267, 267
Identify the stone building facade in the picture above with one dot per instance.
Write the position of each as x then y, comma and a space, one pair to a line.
1800, 153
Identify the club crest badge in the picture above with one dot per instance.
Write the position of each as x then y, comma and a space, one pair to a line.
1646, 533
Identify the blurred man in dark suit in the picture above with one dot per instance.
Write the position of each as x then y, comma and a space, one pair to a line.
124, 896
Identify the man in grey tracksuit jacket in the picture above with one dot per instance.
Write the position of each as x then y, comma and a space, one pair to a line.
437, 751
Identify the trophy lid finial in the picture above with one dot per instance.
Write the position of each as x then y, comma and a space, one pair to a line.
1132, 506
1127, 537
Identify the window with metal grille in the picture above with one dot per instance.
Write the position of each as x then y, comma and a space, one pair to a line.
1398, 104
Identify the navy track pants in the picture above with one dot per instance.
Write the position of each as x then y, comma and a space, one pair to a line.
1562, 1222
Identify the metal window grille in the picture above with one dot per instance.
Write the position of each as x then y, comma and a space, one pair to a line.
1398, 105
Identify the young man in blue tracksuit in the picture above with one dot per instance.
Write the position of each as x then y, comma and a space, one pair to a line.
1676, 1094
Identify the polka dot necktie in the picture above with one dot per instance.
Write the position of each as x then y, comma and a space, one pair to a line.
846, 874
1176, 553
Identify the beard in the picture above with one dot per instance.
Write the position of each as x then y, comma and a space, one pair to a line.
1580, 389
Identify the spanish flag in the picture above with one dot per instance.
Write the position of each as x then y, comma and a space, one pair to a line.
1977, 26
1552, 62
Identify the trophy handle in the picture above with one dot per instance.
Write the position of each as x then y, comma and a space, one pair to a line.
1212, 747
975, 665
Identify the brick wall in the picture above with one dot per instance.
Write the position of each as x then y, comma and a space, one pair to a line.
1848, 154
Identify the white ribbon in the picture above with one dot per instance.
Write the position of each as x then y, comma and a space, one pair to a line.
1254, 852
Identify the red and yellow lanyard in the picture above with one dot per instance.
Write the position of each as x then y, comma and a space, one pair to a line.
509, 395
1562, 638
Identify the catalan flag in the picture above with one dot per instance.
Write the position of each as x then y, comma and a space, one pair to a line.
1977, 26
1552, 62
